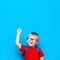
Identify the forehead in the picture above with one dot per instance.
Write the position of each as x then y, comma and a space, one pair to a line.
32, 36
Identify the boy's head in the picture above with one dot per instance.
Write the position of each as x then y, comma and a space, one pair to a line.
32, 39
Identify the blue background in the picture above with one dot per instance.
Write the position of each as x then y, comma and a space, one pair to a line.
41, 16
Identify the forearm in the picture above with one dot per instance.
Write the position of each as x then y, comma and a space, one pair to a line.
18, 44
18, 38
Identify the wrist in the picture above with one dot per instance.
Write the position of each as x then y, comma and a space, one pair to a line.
18, 33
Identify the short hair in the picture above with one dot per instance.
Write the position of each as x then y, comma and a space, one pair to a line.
34, 33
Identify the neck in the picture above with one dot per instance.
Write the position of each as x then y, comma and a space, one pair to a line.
32, 46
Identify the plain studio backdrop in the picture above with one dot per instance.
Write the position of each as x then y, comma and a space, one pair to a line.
41, 16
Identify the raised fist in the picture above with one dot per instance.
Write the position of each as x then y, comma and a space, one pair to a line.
19, 30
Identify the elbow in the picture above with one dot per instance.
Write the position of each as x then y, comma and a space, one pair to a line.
16, 43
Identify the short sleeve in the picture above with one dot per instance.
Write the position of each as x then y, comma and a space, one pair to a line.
41, 53
22, 48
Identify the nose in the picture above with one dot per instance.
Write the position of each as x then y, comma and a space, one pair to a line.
31, 40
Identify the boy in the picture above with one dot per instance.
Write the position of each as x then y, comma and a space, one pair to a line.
31, 52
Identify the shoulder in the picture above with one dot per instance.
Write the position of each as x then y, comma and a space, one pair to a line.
41, 53
22, 47
38, 47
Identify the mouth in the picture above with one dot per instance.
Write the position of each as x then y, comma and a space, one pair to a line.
31, 43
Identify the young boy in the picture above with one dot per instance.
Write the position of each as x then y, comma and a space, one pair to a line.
31, 52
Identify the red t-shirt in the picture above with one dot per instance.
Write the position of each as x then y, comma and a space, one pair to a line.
31, 53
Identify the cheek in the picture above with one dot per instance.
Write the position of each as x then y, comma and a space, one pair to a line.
35, 42
28, 41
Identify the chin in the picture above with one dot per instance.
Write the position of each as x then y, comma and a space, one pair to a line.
31, 45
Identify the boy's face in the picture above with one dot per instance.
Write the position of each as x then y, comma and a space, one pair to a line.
32, 40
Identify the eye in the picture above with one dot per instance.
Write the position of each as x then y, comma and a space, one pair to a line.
32, 39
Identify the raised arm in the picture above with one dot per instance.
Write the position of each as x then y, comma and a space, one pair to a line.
18, 38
